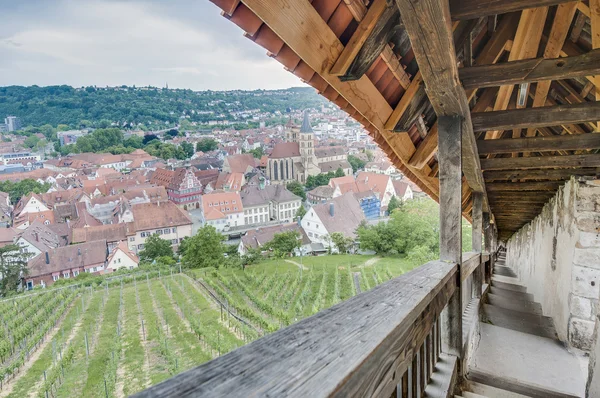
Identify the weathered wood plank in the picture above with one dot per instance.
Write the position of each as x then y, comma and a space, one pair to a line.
524, 186
426, 149
450, 161
469, 9
429, 28
415, 108
414, 88
536, 117
558, 174
530, 70
545, 162
351, 349
595, 32
539, 144
470, 261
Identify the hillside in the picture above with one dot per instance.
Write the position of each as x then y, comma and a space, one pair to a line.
147, 105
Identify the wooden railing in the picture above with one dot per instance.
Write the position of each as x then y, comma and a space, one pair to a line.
384, 342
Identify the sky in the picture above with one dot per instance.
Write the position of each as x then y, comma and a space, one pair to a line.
182, 43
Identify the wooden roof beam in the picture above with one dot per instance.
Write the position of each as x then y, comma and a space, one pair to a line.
540, 144
536, 117
469, 9
523, 186
531, 70
363, 31
541, 162
558, 174
428, 25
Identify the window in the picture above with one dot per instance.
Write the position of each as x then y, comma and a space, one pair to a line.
159, 231
55, 277
75, 273
166, 231
235, 208
233, 201
66, 274
119, 260
209, 204
174, 230
29, 285
174, 241
132, 239
140, 246
228, 209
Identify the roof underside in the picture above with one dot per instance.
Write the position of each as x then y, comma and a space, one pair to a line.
362, 58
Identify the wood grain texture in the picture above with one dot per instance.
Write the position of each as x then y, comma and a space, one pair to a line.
429, 27
352, 349
536, 117
542, 162
558, 174
470, 262
539, 144
469, 9
531, 70
426, 149
415, 86
524, 186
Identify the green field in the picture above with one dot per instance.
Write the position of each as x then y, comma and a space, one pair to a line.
118, 339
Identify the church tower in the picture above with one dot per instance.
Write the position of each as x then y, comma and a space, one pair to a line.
291, 131
306, 143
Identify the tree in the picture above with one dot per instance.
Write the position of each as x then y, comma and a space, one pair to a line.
356, 163
188, 149
206, 145
205, 249
394, 204
301, 212
339, 172
13, 266
257, 152
156, 247
297, 189
341, 242
284, 243
31, 141
369, 155
16, 190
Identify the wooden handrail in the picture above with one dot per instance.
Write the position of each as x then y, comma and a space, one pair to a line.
360, 347
470, 262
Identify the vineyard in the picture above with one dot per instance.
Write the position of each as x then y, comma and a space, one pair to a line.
119, 338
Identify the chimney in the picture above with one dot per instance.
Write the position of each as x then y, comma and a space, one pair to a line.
47, 258
79, 251
37, 236
331, 209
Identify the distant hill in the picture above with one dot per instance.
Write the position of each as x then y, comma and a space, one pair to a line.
148, 105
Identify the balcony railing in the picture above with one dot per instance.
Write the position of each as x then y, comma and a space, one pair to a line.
385, 342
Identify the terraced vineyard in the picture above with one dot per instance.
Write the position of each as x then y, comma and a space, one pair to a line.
120, 338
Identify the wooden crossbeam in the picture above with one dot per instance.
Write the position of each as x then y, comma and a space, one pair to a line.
595, 31
469, 9
536, 117
523, 186
540, 144
364, 29
530, 70
429, 28
541, 162
558, 174
413, 90
426, 149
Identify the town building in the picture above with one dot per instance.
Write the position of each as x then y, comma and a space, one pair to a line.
182, 185
12, 123
222, 210
65, 263
241, 163
121, 257
259, 237
37, 239
342, 214
266, 203
6, 210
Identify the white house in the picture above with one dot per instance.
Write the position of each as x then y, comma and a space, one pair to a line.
121, 257
33, 204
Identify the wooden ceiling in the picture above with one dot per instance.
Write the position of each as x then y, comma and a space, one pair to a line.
520, 73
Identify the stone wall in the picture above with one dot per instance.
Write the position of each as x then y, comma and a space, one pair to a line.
557, 256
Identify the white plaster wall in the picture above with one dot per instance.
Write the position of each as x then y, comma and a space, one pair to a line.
548, 258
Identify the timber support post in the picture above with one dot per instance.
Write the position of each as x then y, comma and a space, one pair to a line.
477, 215
488, 232
450, 159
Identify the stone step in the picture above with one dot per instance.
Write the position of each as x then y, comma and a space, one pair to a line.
468, 394
511, 294
530, 307
505, 271
526, 364
489, 391
509, 286
537, 325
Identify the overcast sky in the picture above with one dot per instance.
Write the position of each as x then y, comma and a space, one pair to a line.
185, 43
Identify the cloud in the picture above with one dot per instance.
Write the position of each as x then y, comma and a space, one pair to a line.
184, 43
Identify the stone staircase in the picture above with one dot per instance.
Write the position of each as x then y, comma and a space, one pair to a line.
519, 354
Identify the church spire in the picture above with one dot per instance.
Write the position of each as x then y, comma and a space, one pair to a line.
306, 128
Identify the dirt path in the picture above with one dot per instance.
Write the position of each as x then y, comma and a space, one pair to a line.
144, 344
8, 387
120, 377
356, 277
301, 266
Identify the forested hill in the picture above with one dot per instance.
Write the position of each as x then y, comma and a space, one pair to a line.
67, 105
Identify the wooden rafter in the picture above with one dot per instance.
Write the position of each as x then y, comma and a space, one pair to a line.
558, 174
539, 144
536, 117
429, 28
469, 9
531, 70
595, 25
539, 162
